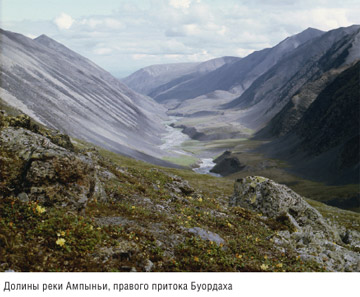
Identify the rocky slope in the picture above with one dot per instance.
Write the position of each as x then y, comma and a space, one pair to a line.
66, 91
290, 115
309, 233
67, 206
324, 144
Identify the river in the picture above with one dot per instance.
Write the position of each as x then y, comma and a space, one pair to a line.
206, 164
174, 138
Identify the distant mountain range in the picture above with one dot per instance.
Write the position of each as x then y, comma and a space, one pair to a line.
176, 81
233, 75
66, 91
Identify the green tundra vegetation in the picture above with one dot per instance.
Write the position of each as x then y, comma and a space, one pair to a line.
70, 206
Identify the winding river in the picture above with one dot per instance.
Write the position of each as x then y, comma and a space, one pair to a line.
174, 138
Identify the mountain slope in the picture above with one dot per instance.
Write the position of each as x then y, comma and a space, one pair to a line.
193, 84
275, 88
67, 91
324, 144
293, 111
158, 80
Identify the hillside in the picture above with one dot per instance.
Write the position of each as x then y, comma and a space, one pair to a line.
66, 91
67, 206
291, 114
324, 144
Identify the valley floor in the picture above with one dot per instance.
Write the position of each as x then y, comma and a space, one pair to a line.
255, 163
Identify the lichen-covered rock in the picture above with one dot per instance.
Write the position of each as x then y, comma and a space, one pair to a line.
278, 201
179, 186
24, 121
308, 233
44, 171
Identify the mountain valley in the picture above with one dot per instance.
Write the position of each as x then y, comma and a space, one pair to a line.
272, 96
102, 174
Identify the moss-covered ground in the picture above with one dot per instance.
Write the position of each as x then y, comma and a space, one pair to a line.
38, 238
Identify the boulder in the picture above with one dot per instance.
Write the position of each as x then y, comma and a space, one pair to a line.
179, 186
277, 201
308, 233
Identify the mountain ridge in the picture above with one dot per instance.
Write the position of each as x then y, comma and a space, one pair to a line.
234, 76
286, 78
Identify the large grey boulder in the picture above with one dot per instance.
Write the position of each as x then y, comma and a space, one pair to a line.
278, 201
308, 232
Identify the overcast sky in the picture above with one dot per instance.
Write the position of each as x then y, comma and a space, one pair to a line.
123, 35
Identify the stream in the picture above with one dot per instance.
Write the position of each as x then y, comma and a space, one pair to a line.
173, 140
205, 166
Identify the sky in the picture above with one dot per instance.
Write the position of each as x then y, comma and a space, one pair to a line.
123, 36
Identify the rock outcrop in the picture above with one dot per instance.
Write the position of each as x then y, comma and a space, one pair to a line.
44, 165
308, 232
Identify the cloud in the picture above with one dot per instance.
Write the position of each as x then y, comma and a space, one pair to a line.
103, 51
64, 21
180, 3
101, 23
